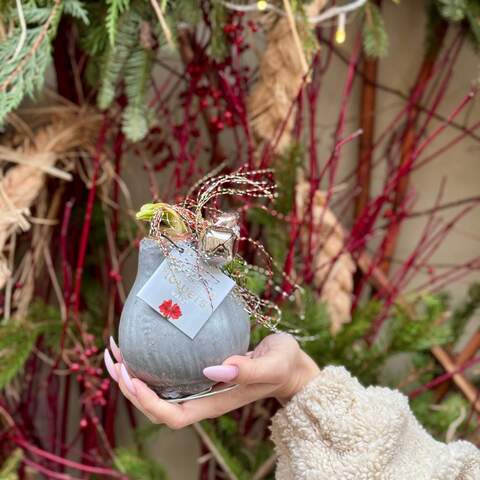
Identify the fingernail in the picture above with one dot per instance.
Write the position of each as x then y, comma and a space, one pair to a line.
110, 366
221, 373
127, 380
116, 351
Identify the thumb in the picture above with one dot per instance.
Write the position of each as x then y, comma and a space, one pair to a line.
268, 368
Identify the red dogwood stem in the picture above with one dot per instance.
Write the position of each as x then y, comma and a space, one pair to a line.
82, 249
68, 463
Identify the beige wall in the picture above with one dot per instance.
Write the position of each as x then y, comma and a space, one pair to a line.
460, 166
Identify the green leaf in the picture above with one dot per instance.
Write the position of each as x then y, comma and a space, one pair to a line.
218, 18
138, 69
26, 74
421, 327
146, 432
473, 16
185, 11
375, 38
307, 35
438, 419
453, 10
228, 425
115, 58
17, 338
36, 15
9, 469
286, 178
94, 39
465, 311
245, 276
16, 344
233, 463
362, 319
76, 9
138, 467
114, 9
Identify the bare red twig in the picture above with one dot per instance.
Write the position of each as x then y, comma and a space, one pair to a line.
82, 249
107, 472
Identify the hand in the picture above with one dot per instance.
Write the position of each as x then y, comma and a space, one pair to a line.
276, 368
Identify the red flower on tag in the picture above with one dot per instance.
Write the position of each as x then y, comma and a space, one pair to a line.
170, 310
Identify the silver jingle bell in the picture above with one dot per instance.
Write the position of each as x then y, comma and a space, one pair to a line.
218, 241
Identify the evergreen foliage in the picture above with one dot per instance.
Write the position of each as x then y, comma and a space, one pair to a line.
137, 466
23, 71
437, 418
9, 469
464, 12
454, 10
76, 9
375, 38
472, 14
465, 311
185, 10
114, 9
137, 81
94, 39
217, 41
422, 326
115, 58
110, 35
17, 339
242, 460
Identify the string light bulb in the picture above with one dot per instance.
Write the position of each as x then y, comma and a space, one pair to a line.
262, 5
340, 34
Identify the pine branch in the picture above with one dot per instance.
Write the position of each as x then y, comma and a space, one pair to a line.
229, 465
115, 8
218, 17
138, 70
473, 15
76, 9
417, 328
465, 311
95, 40
184, 11
17, 339
26, 75
9, 469
136, 466
453, 10
115, 58
375, 39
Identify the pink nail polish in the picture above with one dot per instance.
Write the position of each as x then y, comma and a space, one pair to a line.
116, 351
127, 380
221, 373
110, 366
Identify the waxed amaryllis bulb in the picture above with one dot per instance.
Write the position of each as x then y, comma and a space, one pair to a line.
161, 355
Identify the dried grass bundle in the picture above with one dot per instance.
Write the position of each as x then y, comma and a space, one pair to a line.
58, 132
281, 78
333, 267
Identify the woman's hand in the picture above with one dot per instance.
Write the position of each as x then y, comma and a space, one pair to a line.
276, 368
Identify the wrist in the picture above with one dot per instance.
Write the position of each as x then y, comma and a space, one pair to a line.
305, 371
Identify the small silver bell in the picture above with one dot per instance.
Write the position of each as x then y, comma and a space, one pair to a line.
218, 241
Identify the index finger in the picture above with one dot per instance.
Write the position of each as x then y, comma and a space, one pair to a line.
180, 415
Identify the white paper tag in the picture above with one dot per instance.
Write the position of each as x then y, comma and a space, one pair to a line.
185, 290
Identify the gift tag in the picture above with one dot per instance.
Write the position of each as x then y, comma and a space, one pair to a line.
185, 290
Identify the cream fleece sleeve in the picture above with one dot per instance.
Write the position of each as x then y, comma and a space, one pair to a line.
335, 429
